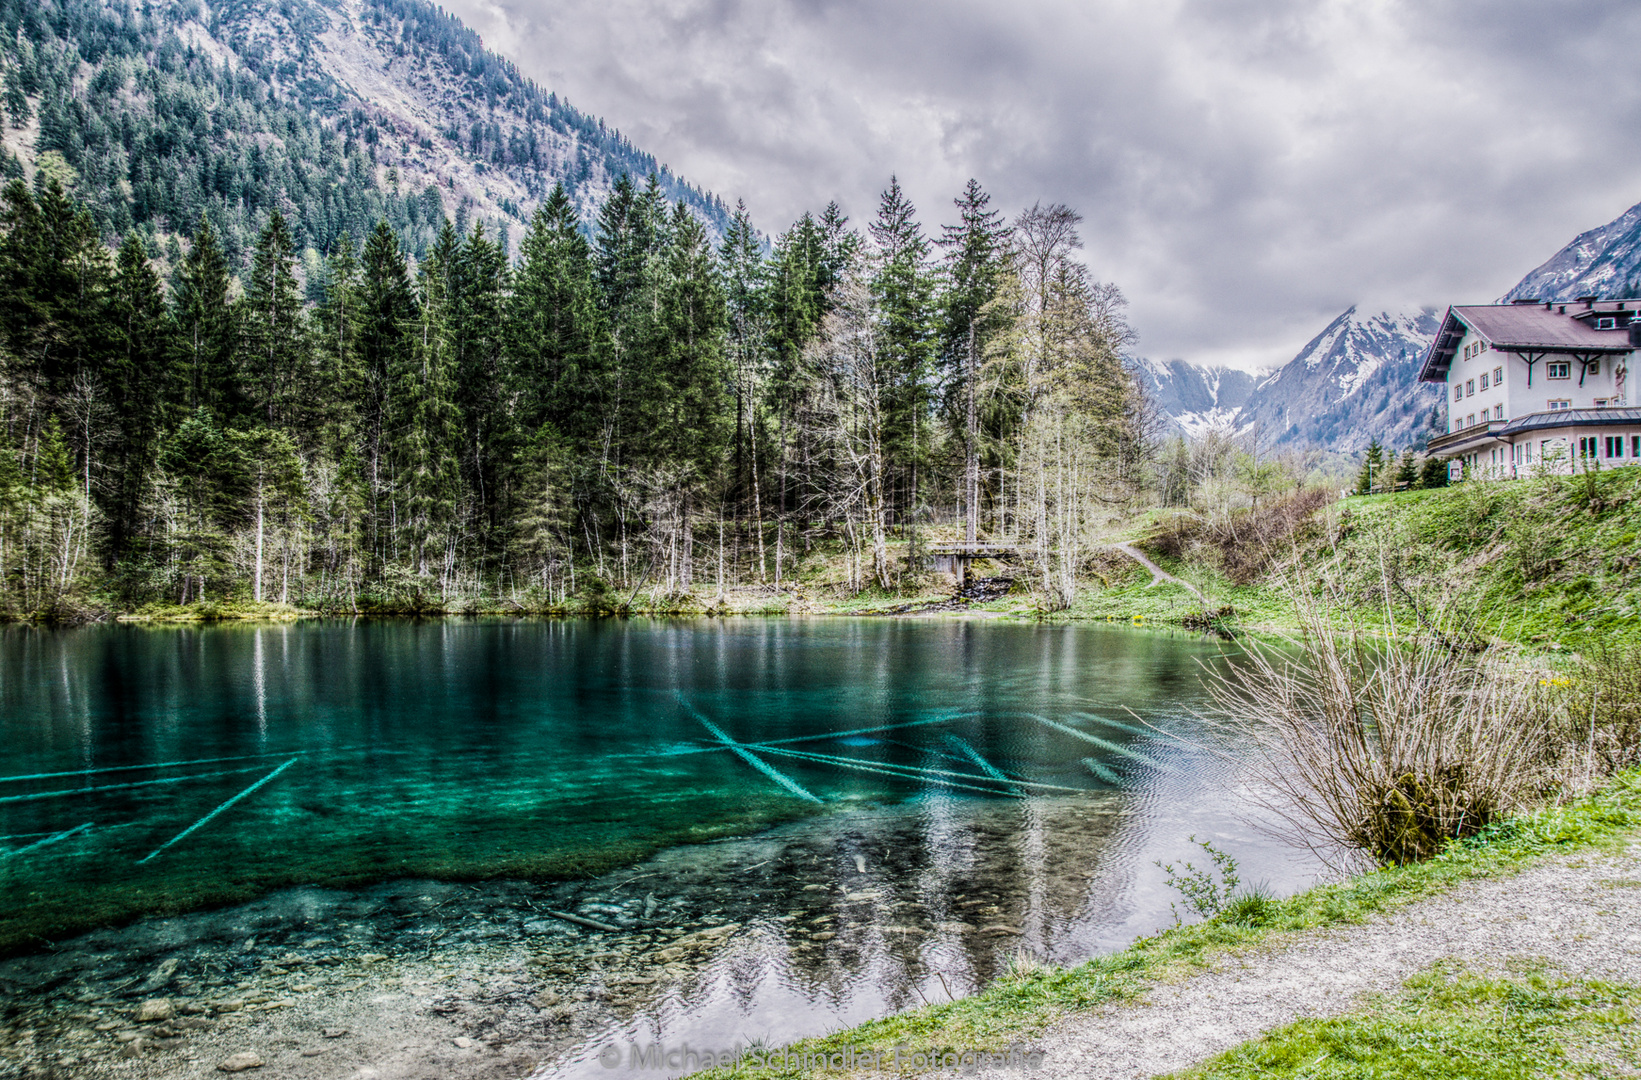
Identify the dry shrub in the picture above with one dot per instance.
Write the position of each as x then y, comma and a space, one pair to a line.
1386, 749
1603, 706
1244, 543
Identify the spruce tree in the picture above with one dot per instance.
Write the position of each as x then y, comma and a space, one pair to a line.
206, 345
426, 420
1372, 474
976, 262
478, 280
135, 374
747, 322
551, 324
387, 317
902, 288
274, 327
1433, 474
1407, 471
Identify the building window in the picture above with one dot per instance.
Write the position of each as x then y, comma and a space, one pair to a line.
1615, 446
1481, 347
1560, 369
1470, 421
1606, 323
1592, 367
1498, 412
1601, 403
1586, 446
1635, 446
1458, 391
1469, 387
1484, 380
1498, 376
1557, 404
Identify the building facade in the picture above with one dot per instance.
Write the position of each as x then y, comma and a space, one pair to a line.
1534, 386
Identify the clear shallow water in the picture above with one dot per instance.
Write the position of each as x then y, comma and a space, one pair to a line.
954, 790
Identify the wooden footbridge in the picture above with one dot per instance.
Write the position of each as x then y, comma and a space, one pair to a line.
953, 557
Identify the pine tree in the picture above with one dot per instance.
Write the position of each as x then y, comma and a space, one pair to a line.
976, 262
552, 324
427, 422
1373, 469
135, 375
694, 321
478, 280
274, 327
387, 318
1407, 471
206, 345
747, 318
902, 289
1434, 472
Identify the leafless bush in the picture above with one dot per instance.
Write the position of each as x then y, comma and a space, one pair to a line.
1387, 749
1244, 543
1603, 707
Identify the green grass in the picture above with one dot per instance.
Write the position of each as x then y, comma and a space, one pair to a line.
1012, 1010
1452, 1024
1547, 562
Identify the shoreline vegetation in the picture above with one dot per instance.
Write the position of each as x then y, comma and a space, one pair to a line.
1546, 564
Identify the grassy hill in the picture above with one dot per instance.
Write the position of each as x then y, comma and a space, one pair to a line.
1547, 561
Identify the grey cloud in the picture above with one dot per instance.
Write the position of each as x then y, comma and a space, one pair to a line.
1247, 168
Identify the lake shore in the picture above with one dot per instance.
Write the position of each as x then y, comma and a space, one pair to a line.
1077, 1017
504, 978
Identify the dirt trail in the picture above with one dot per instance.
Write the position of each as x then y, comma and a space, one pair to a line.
1158, 574
1579, 915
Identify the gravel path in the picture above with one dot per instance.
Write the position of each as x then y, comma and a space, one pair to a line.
1580, 914
1158, 574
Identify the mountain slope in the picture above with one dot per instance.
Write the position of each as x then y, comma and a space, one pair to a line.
1194, 399
1604, 262
336, 113
1356, 380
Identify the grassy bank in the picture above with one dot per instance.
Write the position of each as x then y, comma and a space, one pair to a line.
1452, 1024
1021, 1006
1548, 562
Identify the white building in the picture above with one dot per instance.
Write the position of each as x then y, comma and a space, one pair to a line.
1534, 385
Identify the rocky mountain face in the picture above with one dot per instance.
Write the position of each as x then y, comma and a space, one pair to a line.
1355, 381
1193, 399
1604, 262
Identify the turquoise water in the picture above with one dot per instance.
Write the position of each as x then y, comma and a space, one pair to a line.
161, 769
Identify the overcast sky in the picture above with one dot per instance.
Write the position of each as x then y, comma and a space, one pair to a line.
1247, 168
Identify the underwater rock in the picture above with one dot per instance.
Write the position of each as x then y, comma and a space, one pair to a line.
162, 974
240, 1062
154, 1010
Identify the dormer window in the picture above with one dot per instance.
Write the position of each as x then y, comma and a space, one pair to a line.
1606, 322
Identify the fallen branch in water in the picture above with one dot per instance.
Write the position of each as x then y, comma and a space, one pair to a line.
582, 921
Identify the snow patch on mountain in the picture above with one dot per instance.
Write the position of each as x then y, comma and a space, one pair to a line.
1604, 262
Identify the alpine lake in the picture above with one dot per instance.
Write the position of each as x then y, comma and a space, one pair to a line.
503, 847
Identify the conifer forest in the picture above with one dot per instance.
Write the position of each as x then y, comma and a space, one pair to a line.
236, 375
